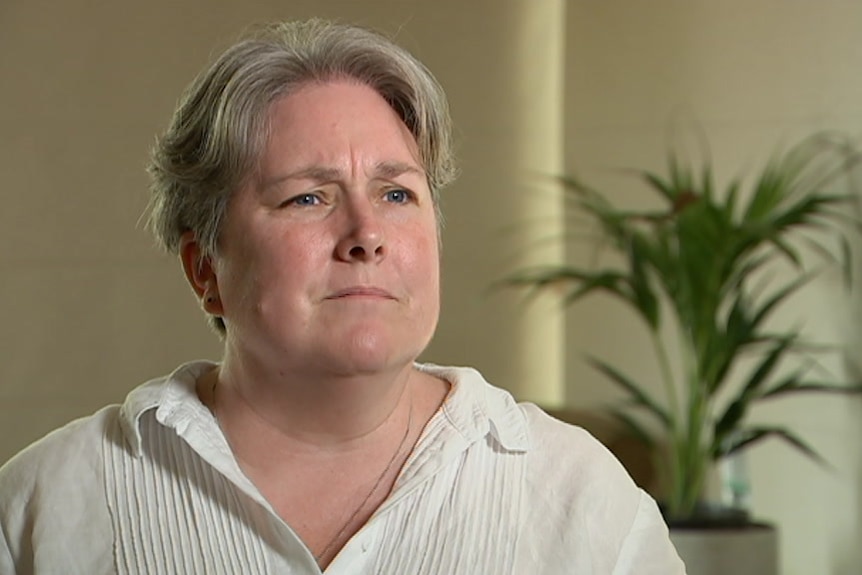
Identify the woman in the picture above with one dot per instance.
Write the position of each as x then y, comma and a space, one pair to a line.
298, 182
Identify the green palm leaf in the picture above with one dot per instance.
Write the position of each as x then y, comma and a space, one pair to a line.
751, 435
702, 261
637, 395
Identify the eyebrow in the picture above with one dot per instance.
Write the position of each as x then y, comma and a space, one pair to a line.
382, 170
394, 169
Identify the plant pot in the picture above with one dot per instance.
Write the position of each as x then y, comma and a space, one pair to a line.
743, 550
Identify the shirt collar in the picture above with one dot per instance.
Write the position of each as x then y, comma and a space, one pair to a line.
476, 408
173, 397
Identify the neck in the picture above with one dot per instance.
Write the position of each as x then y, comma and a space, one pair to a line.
321, 410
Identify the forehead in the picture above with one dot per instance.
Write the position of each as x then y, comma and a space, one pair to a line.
321, 120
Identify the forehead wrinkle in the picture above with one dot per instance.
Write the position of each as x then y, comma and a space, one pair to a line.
314, 172
393, 169
385, 170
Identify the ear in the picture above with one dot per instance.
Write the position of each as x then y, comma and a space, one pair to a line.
201, 274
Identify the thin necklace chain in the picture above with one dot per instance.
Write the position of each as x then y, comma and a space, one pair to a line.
374, 487
377, 482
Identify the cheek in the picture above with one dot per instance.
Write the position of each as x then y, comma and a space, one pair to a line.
427, 261
238, 280
258, 266
289, 265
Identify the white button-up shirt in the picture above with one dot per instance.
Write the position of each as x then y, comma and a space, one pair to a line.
492, 488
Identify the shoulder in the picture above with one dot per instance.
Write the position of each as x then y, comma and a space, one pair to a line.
54, 514
76, 450
72, 450
576, 488
571, 455
571, 474
559, 458
69, 461
58, 497
52, 496
544, 426
551, 434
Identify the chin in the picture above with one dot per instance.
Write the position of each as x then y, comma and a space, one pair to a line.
369, 353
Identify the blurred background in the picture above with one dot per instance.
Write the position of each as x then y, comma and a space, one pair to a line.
537, 87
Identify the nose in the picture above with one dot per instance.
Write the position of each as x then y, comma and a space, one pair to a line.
362, 239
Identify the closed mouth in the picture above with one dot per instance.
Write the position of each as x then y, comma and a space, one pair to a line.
360, 292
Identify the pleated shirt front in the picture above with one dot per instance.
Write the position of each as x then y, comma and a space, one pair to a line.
492, 487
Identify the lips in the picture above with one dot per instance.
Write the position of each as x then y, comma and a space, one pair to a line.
361, 292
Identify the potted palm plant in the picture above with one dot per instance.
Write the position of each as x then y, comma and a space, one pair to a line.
700, 261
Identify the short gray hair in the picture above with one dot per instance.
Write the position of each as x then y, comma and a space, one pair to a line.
220, 126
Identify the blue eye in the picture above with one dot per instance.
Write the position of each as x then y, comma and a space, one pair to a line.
398, 196
304, 200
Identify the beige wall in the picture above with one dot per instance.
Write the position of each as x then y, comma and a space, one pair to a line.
749, 74
90, 309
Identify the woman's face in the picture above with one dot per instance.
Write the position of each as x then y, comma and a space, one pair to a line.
328, 260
